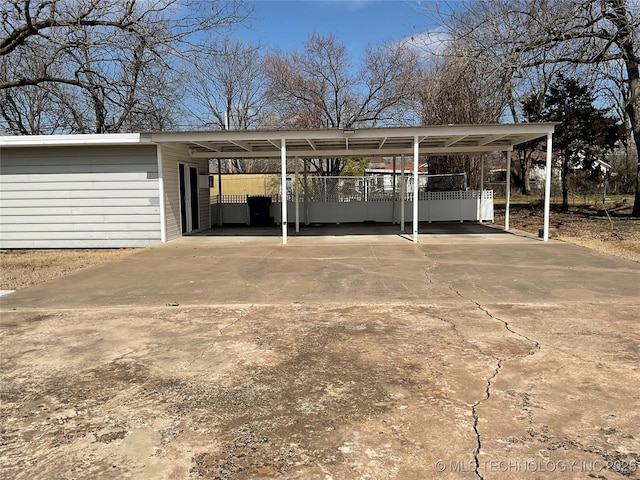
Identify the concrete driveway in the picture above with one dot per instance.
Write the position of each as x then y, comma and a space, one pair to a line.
486, 355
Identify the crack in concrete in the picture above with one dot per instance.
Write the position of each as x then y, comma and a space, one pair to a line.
492, 377
496, 372
221, 330
536, 344
434, 264
476, 417
242, 314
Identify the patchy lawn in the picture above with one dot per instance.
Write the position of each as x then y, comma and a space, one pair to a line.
611, 230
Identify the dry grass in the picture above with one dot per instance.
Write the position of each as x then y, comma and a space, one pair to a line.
611, 230
23, 268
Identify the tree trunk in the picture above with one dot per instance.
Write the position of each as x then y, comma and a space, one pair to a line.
633, 106
633, 109
525, 166
565, 182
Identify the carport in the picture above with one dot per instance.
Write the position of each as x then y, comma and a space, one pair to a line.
140, 189
386, 142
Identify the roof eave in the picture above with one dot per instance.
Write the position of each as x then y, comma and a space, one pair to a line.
95, 139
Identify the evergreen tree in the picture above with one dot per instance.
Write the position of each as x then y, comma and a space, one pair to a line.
585, 133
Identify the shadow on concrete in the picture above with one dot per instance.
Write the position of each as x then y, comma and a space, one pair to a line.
348, 229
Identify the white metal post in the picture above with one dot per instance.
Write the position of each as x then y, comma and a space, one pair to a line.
427, 193
547, 188
283, 190
416, 152
403, 192
306, 192
297, 198
220, 212
481, 187
393, 189
507, 193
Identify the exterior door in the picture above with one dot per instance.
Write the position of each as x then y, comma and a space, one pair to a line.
189, 202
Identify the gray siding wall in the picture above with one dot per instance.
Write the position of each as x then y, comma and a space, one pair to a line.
79, 197
170, 179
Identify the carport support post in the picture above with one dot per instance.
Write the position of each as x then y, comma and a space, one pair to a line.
297, 198
403, 192
306, 191
507, 192
547, 188
219, 193
283, 190
481, 187
393, 189
416, 152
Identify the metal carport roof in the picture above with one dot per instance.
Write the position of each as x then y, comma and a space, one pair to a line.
323, 143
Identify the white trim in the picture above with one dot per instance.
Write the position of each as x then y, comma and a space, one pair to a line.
295, 185
163, 208
507, 193
82, 139
481, 188
403, 191
283, 189
416, 154
547, 189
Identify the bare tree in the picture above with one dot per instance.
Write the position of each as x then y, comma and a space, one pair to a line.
529, 33
227, 91
228, 86
458, 89
320, 88
101, 55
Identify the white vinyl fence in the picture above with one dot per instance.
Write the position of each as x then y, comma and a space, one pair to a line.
363, 199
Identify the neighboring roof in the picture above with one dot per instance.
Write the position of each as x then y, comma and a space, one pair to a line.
317, 143
602, 163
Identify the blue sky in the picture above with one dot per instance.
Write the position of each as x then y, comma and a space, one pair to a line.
286, 24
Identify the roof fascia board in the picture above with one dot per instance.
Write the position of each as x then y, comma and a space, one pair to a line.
77, 139
537, 129
532, 130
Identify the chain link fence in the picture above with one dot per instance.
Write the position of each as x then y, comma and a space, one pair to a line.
372, 188
324, 189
